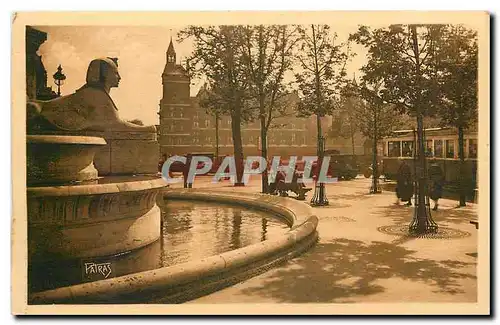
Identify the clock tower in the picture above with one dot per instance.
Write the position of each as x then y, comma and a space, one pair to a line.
175, 106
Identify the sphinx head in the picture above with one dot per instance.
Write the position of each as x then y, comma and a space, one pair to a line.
103, 73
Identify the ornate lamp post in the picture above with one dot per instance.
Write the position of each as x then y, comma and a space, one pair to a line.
59, 78
319, 197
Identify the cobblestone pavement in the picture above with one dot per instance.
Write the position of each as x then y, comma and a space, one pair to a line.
355, 262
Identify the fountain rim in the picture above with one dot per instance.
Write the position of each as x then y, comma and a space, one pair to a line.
301, 236
64, 139
97, 189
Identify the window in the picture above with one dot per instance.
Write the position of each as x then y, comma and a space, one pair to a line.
393, 148
407, 148
293, 138
472, 148
438, 148
450, 149
195, 124
207, 123
181, 127
428, 148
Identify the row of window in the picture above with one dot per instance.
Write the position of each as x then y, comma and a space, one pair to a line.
197, 140
433, 148
208, 123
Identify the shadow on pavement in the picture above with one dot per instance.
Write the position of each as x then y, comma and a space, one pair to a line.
343, 269
403, 214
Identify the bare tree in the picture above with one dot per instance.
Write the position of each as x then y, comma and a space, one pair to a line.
323, 72
267, 57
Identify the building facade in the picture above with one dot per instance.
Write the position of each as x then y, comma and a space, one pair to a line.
185, 127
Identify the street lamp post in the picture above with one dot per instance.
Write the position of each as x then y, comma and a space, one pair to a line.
319, 197
59, 78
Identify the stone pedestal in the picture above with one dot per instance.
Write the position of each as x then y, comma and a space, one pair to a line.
124, 153
121, 157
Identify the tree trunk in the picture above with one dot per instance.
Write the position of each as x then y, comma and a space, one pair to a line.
461, 156
422, 180
423, 220
216, 137
353, 158
374, 154
237, 145
263, 151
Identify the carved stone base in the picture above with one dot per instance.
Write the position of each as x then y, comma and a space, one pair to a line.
92, 220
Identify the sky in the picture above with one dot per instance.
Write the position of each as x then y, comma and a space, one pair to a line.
141, 53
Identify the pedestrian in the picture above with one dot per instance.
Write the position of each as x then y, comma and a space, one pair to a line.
404, 187
185, 172
161, 162
436, 182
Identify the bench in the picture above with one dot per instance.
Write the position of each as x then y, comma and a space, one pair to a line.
298, 188
476, 223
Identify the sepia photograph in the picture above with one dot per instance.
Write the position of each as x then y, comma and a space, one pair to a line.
332, 163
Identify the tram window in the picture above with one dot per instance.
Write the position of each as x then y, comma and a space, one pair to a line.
428, 148
472, 148
407, 148
393, 148
438, 148
450, 149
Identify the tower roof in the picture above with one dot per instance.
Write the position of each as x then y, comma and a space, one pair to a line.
171, 49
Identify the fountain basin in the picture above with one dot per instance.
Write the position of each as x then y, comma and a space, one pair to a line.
114, 215
181, 282
53, 159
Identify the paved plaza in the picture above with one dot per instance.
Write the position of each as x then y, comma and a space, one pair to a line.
354, 261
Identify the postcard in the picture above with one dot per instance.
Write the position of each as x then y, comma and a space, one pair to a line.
251, 163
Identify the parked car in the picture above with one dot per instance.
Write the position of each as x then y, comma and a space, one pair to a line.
342, 168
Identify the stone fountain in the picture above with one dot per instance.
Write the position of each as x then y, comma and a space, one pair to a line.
92, 178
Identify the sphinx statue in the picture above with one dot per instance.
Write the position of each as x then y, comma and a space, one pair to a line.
90, 107
90, 111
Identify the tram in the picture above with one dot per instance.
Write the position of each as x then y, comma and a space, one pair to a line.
441, 147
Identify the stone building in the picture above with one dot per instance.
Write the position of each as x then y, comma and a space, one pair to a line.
36, 75
185, 127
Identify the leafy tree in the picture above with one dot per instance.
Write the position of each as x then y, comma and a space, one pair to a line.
217, 56
267, 57
403, 59
322, 62
344, 123
457, 63
375, 120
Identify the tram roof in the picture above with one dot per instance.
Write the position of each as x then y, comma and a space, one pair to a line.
428, 132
